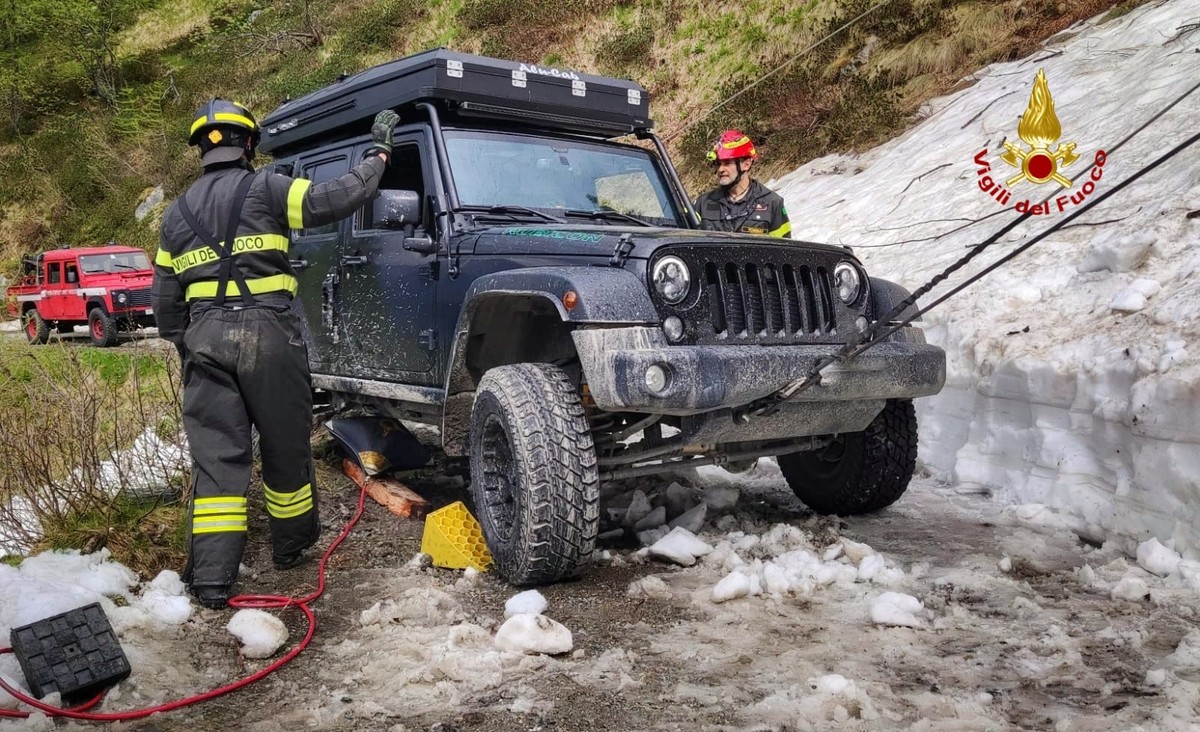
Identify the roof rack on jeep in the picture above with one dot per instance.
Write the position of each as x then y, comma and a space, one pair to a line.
463, 85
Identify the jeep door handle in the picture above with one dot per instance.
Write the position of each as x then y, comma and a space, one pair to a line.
354, 260
299, 264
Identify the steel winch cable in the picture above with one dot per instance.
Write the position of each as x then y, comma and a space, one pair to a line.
688, 125
888, 324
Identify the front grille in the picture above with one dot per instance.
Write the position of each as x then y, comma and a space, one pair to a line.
770, 295
139, 298
767, 300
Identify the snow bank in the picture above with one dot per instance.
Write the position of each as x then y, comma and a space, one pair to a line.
1069, 382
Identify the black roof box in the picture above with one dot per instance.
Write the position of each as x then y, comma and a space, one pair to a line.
465, 85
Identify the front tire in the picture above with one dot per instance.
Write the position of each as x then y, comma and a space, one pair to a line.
102, 328
535, 482
37, 330
859, 472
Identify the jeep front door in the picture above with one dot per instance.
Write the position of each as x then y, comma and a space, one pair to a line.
314, 258
387, 290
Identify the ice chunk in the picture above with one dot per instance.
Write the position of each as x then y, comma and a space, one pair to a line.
167, 609
168, 583
652, 536
855, 551
1005, 564
692, 519
1128, 301
678, 499
832, 552
260, 632
735, 585
896, 608
534, 634
1157, 559
775, 578
1130, 588
1118, 253
639, 508
680, 546
871, 566
1157, 677
656, 517
1187, 653
529, 602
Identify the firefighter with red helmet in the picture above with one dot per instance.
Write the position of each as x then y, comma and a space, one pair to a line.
740, 203
223, 291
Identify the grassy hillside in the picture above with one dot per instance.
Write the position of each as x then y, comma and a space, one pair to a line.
96, 95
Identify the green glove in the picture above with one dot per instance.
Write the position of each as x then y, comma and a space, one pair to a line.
381, 132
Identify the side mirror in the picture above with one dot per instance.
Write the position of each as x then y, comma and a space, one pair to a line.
394, 209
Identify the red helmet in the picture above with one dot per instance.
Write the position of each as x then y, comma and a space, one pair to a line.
731, 145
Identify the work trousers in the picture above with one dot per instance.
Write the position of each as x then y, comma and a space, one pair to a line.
246, 366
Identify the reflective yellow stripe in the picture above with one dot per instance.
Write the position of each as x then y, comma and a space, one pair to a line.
248, 244
163, 258
290, 511
274, 283
296, 202
286, 499
783, 230
222, 117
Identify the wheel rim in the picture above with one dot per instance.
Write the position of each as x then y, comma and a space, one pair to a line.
31, 327
97, 329
499, 479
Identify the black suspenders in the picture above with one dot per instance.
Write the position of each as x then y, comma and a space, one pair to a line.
224, 249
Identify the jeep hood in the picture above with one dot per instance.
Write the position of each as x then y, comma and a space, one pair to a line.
567, 240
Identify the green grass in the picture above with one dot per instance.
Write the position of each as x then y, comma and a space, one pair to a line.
145, 535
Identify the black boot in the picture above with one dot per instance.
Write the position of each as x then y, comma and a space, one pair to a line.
213, 597
288, 561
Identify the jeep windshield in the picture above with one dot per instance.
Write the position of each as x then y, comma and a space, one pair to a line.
113, 263
498, 172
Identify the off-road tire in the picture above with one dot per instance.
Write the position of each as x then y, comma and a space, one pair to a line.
102, 328
860, 472
535, 483
37, 330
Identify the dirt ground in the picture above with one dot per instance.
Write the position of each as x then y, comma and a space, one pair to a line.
403, 647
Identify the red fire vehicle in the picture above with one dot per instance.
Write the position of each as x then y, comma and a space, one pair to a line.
108, 288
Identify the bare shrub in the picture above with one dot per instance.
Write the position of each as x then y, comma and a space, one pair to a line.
92, 453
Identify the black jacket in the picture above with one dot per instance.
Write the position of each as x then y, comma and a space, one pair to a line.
186, 269
760, 212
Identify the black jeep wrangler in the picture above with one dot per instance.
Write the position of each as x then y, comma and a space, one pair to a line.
542, 293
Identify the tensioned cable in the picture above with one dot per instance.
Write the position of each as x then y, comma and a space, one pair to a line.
775, 70
873, 335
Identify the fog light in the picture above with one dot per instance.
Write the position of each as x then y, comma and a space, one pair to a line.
673, 328
656, 379
861, 323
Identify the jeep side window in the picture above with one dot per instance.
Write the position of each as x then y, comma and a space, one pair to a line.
319, 172
72, 273
55, 273
403, 174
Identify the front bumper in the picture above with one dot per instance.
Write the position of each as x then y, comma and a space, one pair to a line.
706, 378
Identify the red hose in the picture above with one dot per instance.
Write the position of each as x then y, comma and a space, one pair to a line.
266, 602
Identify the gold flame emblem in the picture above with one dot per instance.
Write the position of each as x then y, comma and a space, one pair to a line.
1039, 128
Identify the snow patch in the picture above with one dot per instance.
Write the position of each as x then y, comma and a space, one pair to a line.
260, 632
534, 634
529, 602
896, 608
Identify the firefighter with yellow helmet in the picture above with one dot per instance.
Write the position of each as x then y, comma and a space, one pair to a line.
740, 203
223, 290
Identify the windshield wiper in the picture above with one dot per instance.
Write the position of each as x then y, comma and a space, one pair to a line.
607, 215
122, 265
510, 209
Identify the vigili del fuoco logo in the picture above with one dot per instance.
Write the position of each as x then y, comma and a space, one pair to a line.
1046, 160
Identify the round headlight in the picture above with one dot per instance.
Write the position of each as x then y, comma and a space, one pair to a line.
122, 297
848, 282
671, 279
